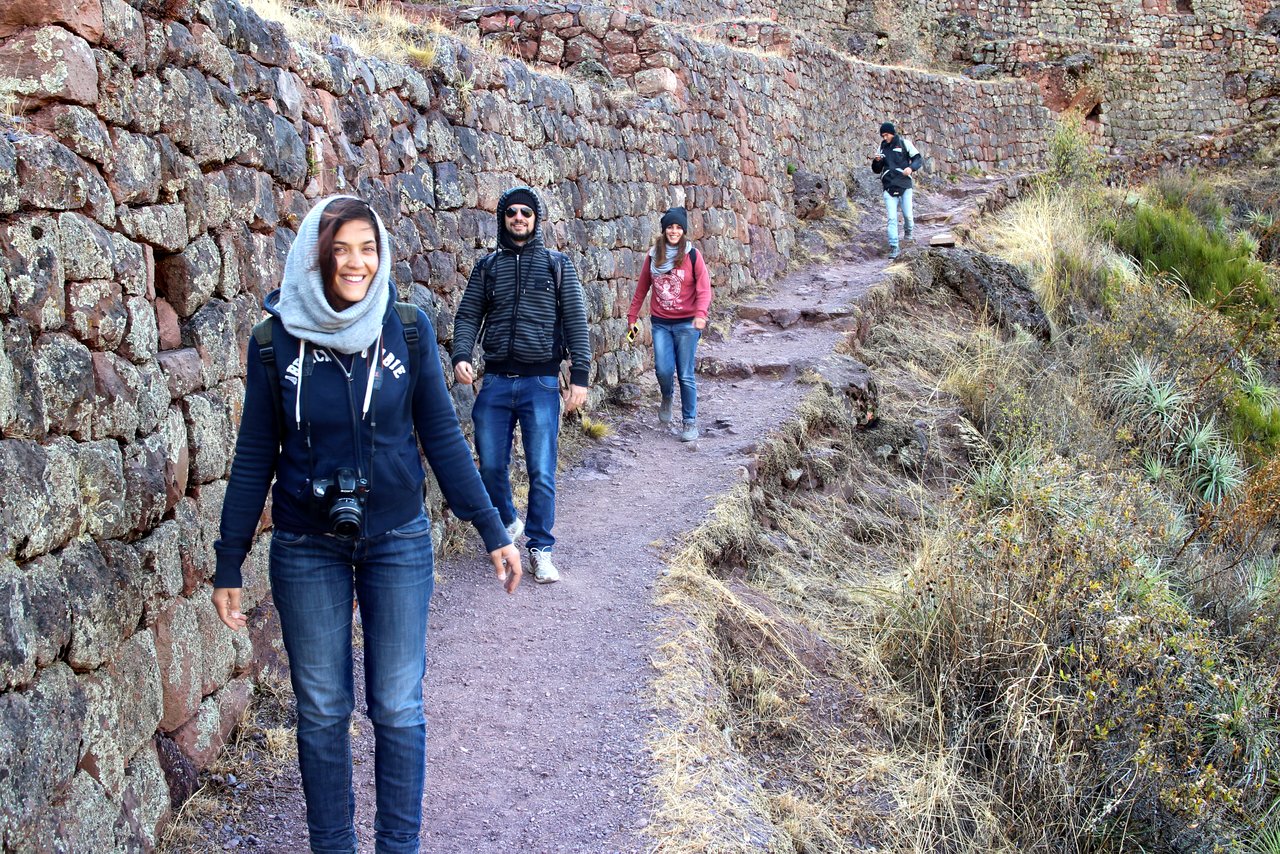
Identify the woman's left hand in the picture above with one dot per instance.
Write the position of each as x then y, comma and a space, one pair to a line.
699, 323
506, 565
226, 601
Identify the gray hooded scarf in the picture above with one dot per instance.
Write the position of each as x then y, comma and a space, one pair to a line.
305, 310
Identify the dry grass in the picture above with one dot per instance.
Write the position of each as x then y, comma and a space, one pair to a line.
381, 30
778, 714
1051, 235
262, 749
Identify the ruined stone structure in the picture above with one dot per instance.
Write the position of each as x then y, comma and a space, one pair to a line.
1144, 72
161, 155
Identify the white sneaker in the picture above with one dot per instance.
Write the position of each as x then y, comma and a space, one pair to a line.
544, 571
515, 529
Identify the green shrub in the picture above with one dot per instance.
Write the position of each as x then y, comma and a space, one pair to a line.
1215, 268
1187, 190
1074, 156
1254, 426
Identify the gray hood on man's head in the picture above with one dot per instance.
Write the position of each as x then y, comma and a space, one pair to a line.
305, 310
504, 239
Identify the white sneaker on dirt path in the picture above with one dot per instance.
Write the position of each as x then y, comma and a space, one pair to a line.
515, 529
544, 571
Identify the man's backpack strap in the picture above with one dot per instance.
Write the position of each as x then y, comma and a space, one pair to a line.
267, 353
409, 321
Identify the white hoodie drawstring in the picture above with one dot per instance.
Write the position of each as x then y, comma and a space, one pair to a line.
297, 398
373, 371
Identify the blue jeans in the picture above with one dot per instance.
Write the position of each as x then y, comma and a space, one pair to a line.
533, 403
312, 580
908, 216
675, 346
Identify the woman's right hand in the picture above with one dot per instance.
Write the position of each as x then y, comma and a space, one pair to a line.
226, 601
506, 565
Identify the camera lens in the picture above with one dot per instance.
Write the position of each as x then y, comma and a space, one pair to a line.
344, 517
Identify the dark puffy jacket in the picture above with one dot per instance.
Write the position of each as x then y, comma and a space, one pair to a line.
898, 153
511, 294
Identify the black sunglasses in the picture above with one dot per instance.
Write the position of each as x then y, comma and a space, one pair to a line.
518, 210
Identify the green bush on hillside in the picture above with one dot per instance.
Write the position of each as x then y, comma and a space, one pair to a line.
1215, 268
1074, 156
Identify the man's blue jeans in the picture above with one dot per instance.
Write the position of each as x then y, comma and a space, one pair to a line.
908, 216
675, 348
313, 577
533, 403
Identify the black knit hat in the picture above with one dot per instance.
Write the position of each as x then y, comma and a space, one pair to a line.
520, 196
676, 216
888, 127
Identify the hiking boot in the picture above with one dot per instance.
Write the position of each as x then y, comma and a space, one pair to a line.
544, 571
893, 252
690, 431
664, 409
909, 236
515, 529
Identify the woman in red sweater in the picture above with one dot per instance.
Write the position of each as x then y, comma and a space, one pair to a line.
681, 289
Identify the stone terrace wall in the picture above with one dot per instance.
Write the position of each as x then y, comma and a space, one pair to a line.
147, 199
819, 108
1159, 69
1184, 24
1146, 94
828, 21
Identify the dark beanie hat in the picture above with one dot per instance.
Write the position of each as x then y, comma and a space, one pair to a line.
888, 127
520, 196
676, 216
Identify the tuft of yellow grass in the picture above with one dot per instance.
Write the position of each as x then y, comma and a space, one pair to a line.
595, 430
1051, 235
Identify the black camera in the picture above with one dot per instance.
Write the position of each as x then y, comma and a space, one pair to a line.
345, 494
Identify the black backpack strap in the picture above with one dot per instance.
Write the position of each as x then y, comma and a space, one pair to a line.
409, 322
267, 353
556, 261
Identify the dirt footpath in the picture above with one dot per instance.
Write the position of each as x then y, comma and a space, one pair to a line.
537, 703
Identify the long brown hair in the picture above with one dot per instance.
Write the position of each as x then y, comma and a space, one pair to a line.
336, 214
660, 246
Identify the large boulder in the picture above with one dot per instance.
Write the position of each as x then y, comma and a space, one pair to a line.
987, 284
811, 192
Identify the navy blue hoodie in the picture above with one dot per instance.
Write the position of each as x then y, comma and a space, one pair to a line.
330, 408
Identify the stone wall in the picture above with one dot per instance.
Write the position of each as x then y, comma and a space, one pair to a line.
1146, 95
1144, 73
1179, 24
148, 194
817, 105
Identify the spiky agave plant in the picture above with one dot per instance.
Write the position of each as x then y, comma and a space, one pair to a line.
1221, 474
1157, 470
1196, 441
1255, 387
1155, 406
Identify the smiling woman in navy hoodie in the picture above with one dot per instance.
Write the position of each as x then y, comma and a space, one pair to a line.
341, 442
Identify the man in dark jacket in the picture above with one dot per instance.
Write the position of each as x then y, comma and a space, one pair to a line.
528, 301
895, 162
